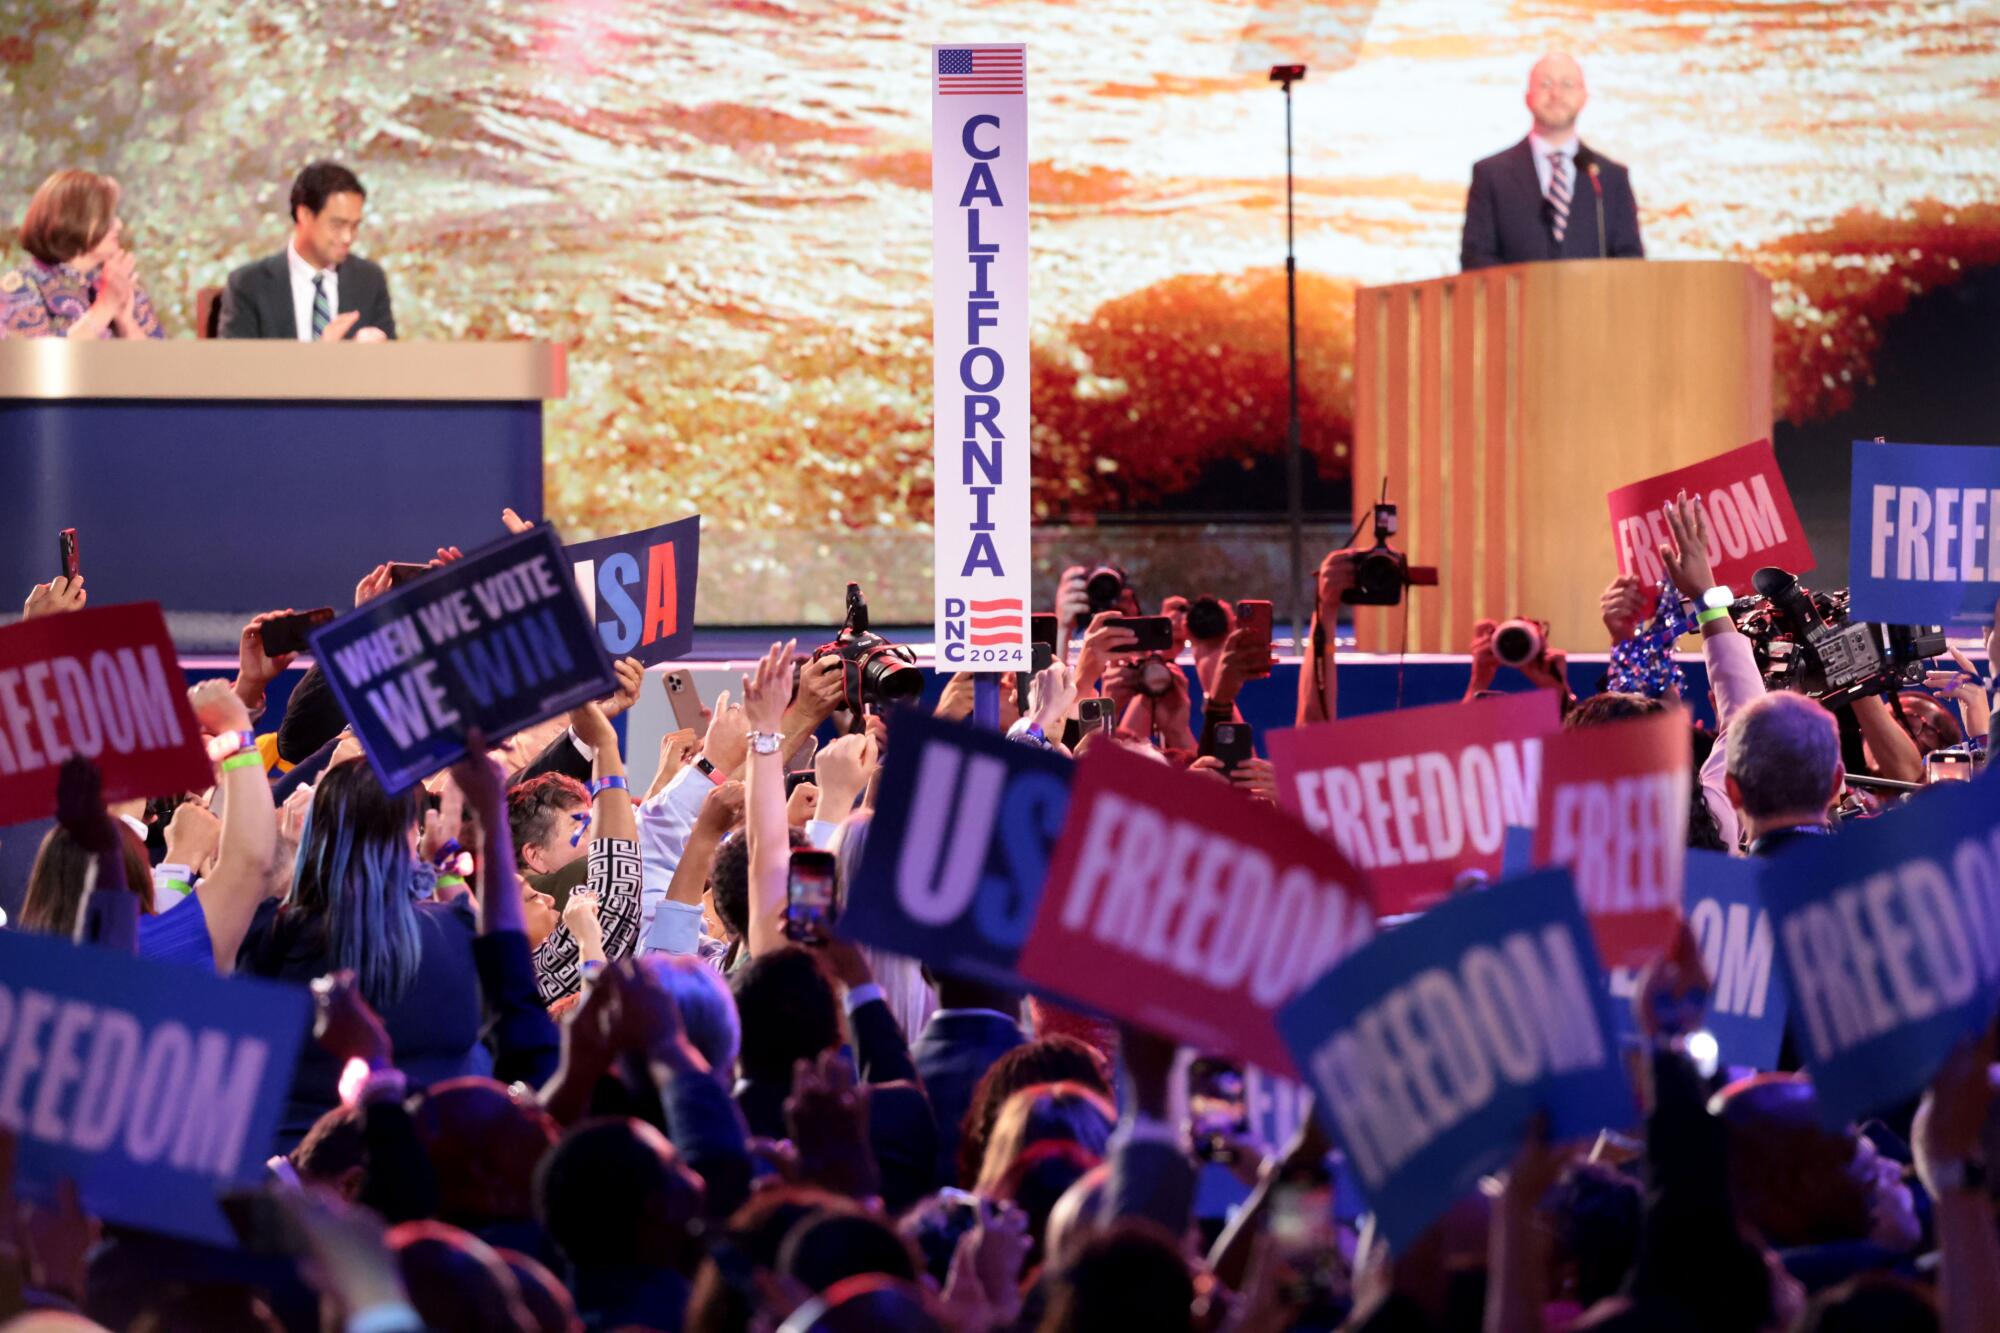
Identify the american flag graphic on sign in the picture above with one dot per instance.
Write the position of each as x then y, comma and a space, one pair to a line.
969, 71
996, 620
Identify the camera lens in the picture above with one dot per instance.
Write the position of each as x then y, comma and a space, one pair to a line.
887, 679
1103, 587
1155, 677
1517, 643
1207, 618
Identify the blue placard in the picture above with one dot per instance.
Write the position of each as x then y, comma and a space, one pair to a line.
1517, 850
1747, 998
1889, 937
152, 1086
1433, 1045
965, 821
497, 641
639, 588
1924, 534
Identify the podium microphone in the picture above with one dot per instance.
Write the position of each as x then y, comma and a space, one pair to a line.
1597, 188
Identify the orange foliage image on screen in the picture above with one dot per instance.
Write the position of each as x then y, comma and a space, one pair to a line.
723, 212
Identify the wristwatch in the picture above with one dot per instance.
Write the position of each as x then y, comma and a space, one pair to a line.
1715, 604
228, 743
765, 742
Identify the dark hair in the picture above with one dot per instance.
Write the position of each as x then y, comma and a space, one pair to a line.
312, 187
788, 1009
483, 1143
456, 1281
1610, 706
332, 1147
601, 1190
723, 1300
55, 884
729, 879
1872, 1303
842, 1242
1596, 1223
1057, 1058
543, 1296
1130, 1275
351, 892
532, 806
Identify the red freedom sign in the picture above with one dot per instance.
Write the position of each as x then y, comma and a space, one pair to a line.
1417, 798
1614, 811
1190, 910
103, 683
1750, 516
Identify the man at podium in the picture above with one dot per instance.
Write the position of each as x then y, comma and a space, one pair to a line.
1550, 196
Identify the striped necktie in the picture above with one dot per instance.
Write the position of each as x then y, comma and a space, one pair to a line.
321, 314
1559, 194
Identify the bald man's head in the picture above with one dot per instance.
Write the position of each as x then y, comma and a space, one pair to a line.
1556, 95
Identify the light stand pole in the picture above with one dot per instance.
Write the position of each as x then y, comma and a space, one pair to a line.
1285, 76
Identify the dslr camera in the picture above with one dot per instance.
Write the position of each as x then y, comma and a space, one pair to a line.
1805, 641
1381, 572
1105, 588
872, 670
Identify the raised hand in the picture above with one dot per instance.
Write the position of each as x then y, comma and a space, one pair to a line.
218, 708
1102, 643
515, 523
767, 688
1625, 606
256, 669
1688, 556
721, 810
346, 1025
631, 675
580, 914
802, 807
193, 836
841, 771
1050, 695
61, 593
728, 735
592, 726
373, 584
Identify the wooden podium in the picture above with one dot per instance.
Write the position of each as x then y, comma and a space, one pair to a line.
1502, 405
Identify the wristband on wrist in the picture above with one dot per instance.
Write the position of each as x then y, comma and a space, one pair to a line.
1713, 613
708, 771
604, 784
231, 742
247, 759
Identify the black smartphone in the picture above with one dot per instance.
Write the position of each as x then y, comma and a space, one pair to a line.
809, 905
1155, 634
1040, 656
288, 634
1218, 1112
1095, 713
401, 572
1233, 744
1255, 617
1042, 628
71, 561
685, 701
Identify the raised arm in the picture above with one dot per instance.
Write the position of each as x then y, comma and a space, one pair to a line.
1947, 1137
1319, 684
242, 875
614, 847
764, 805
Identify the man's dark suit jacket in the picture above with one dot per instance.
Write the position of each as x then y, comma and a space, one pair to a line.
952, 1054
257, 303
1507, 217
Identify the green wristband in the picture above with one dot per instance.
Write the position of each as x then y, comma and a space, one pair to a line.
244, 759
1712, 613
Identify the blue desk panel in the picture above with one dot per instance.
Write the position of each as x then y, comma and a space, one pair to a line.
224, 508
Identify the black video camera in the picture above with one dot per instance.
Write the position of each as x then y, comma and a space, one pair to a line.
872, 670
1805, 641
1382, 572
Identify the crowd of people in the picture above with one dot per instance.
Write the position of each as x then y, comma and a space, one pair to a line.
570, 1070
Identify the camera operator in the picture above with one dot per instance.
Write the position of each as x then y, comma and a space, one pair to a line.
1319, 683
1549, 670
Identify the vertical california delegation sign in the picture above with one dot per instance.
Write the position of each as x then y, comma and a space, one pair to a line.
979, 283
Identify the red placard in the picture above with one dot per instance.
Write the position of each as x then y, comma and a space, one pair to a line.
1615, 812
1186, 908
103, 683
1417, 798
1750, 516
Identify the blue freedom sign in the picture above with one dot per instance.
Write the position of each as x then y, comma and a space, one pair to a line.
964, 825
639, 589
1889, 937
1747, 998
496, 641
1432, 1046
1924, 534
152, 1087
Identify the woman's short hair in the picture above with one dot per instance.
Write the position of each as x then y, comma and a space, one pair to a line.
69, 216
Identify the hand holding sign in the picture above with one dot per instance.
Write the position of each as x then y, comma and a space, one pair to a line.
1686, 555
1746, 521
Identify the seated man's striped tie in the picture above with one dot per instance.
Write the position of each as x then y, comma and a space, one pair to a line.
321, 314
1558, 195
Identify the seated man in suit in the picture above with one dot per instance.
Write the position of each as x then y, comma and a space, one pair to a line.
1540, 199
314, 289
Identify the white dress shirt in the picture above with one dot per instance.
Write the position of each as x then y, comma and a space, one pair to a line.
1536, 144
302, 291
